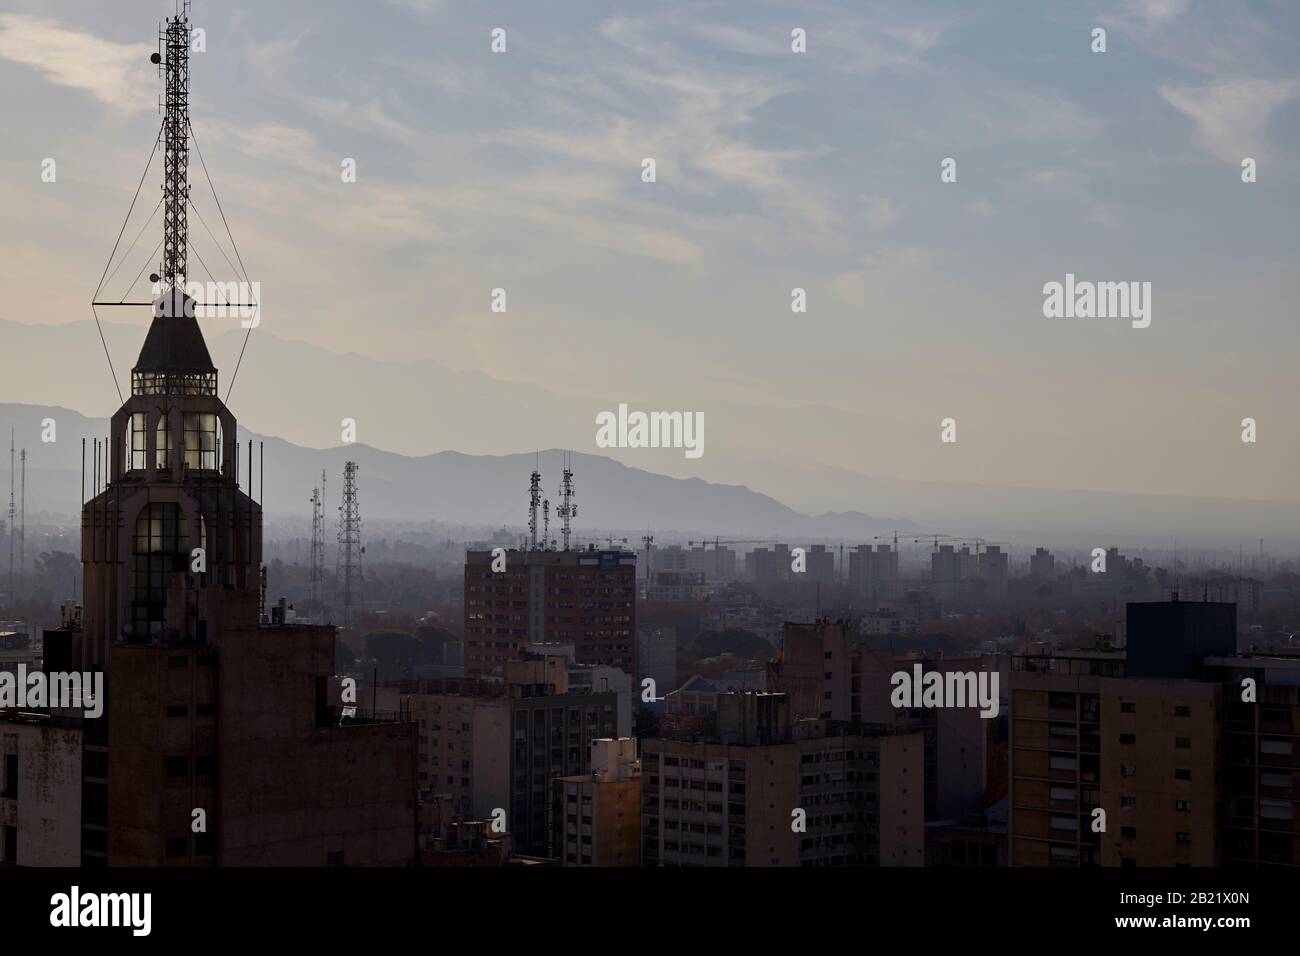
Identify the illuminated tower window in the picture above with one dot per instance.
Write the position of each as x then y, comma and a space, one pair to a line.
201, 441
160, 549
139, 447
162, 445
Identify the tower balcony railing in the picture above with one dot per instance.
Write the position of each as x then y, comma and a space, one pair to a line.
174, 383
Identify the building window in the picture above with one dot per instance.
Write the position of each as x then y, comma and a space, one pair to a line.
1182, 711
176, 766
160, 548
1128, 707
1128, 739
162, 445
1181, 774
200, 441
1183, 743
139, 442
1183, 806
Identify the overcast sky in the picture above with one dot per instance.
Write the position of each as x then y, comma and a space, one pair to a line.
819, 170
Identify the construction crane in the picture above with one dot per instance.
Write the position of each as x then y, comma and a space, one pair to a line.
919, 537
985, 542
718, 541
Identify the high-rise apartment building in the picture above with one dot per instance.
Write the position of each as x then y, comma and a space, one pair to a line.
1159, 738
583, 598
873, 573
950, 569
598, 814
1042, 565
829, 672
992, 570
765, 791
486, 746
767, 567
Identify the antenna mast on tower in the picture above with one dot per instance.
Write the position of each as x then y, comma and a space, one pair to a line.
567, 509
350, 549
22, 510
318, 546
534, 500
13, 528
175, 70
648, 540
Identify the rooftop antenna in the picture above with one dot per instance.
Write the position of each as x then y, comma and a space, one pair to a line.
534, 500
317, 557
22, 505
546, 524
13, 513
350, 549
648, 540
567, 509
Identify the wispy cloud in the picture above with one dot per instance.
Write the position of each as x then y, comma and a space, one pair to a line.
1232, 117
111, 72
1160, 10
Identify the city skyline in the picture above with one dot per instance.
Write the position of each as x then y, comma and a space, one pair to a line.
909, 625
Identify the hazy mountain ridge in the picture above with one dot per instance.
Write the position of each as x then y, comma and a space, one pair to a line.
445, 486
766, 470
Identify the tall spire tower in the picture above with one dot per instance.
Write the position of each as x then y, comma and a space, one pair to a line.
171, 545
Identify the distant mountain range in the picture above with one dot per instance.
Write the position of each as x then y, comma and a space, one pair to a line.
486, 490
767, 471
